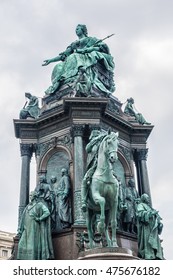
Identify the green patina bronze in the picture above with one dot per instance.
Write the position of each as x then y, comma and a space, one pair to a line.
83, 84
149, 227
105, 198
62, 201
131, 111
86, 52
92, 154
101, 196
46, 195
35, 232
49, 210
31, 108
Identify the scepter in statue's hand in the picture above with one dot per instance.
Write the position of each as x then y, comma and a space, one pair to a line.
101, 40
94, 46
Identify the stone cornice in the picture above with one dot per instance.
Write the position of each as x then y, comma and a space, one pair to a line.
85, 109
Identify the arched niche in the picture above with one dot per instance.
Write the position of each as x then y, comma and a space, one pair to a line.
54, 160
123, 169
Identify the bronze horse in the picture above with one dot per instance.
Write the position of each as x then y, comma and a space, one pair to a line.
103, 191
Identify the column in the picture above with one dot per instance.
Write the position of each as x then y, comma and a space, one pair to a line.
77, 133
26, 154
140, 158
36, 150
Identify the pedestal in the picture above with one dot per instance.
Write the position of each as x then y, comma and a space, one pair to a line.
107, 253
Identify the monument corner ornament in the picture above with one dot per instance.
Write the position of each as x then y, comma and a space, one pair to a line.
92, 197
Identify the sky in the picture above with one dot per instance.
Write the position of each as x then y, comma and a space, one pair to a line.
142, 47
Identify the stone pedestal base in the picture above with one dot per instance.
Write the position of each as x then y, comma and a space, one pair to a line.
107, 253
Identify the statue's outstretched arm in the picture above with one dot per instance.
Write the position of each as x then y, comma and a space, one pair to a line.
55, 59
61, 57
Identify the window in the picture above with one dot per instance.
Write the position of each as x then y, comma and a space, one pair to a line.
5, 253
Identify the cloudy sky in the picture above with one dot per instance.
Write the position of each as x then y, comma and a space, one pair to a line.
142, 47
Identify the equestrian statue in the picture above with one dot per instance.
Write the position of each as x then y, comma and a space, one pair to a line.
100, 186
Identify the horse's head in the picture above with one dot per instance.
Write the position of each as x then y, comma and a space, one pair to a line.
110, 146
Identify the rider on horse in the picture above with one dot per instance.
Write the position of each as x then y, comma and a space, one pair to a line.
92, 149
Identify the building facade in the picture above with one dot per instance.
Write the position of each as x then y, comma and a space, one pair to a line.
6, 244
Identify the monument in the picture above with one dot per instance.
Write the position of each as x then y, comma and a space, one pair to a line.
88, 150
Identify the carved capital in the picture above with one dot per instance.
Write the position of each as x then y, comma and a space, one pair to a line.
140, 154
77, 130
36, 149
26, 150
